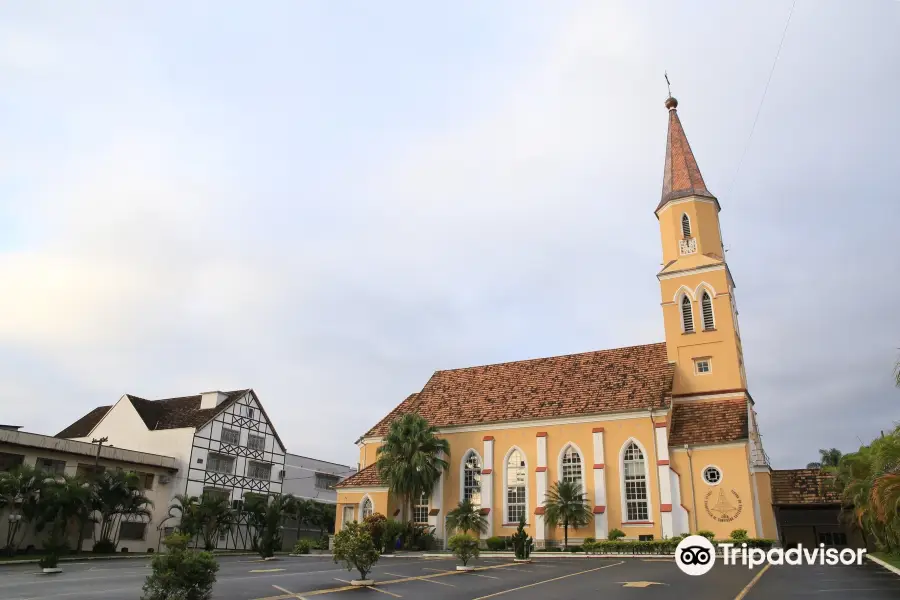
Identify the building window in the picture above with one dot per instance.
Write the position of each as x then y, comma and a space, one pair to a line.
645, 538
707, 310
347, 515
145, 480
702, 366
515, 486
712, 475
687, 315
132, 530
686, 226
420, 510
220, 464
571, 466
216, 493
472, 478
256, 442
10, 461
326, 482
89, 471
251, 413
366, 509
634, 472
836, 538
231, 436
258, 470
51, 466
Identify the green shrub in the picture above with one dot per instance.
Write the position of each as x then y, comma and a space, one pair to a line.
321, 543
631, 547
354, 547
496, 543
302, 546
576, 549
760, 543
677, 538
375, 524
49, 561
589, 540
740, 534
707, 534
521, 541
392, 532
554, 549
616, 534
104, 547
464, 547
181, 574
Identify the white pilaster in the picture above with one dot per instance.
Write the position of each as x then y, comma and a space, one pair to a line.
436, 504
487, 484
540, 476
665, 480
601, 525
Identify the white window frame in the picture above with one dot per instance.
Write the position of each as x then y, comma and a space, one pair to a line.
417, 510
362, 507
704, 359
690, 302
559, 463
690, 231
257, 463
647, 480
703, 475
262, 438
214, 455
230, 430
506, 505
462, 475
712, 311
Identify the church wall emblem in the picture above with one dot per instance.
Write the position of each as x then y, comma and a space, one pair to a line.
726, 507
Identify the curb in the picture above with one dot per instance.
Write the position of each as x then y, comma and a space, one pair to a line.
887, 566
557, 555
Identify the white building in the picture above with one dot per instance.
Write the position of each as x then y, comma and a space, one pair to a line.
222, 442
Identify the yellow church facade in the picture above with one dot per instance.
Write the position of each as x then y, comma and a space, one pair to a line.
662, 437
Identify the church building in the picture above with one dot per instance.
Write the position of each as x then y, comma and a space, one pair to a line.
663, 437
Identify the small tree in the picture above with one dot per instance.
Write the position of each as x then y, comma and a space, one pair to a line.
464, 547
392, 532
707, 534
180, 573
467, 517
354, 547
566, 505
615, 534
375, 524
739, 534
521, 541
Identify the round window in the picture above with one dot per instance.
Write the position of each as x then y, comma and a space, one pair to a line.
712, 475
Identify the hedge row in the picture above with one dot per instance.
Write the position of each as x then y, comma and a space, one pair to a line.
658, 546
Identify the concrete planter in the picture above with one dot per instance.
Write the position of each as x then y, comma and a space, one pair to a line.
522, 560
465, 568
268, 558
51, 570
362, 582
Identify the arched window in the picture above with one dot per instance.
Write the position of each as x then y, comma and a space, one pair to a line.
571, 466
686, 226
367, 508
687, 315
706, 309
420, 510
471, 480
515, 486
634, 473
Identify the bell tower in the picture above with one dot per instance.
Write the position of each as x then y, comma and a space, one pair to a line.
699, 310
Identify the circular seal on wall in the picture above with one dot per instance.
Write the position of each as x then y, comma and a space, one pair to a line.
725, 508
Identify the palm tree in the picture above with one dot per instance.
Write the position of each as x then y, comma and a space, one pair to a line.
467, 517
827, 458
19, 492
62, 502
186, 507
118, 495
214, 516
566, 505
409, 461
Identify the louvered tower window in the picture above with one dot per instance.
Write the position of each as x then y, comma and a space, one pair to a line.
686, 226
687, 315
706, 306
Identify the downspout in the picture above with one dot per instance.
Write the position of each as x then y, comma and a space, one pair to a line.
690, 453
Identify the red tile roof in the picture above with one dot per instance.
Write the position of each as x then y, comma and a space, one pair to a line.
622, 379
368, 477
803, 486
681, 176
699, 422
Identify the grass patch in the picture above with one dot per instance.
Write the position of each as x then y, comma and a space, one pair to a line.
891, 559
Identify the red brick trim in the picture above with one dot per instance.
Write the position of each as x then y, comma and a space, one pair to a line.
599, 510
597, 430
665, 508
434, 512
485, 511
662, 463
486, 471
599, 466
488, 438
539, 510
540, 469
660, 425
541, 434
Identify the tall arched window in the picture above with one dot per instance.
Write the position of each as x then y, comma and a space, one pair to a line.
687, 315
686, 226
706, 309
634, 473
515, 486
571, 466
471, 483
420, 510
367, 508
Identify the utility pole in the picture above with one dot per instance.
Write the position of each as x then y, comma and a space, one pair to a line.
99, 443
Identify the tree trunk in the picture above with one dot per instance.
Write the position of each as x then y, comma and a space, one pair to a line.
565, 534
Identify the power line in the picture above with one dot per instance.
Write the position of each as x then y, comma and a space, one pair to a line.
763, 99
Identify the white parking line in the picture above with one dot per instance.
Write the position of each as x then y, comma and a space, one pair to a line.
288, 592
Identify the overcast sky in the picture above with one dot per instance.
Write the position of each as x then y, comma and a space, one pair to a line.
329, 201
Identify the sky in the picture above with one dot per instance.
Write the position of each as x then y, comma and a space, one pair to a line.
327, 202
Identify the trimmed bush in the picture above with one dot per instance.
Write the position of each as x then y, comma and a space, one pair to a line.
104, 547
392, 532
464, 547
707, 534
589, 540
574, 549
49, 561
496, 543
354, 547
375, 525
302, 546
740, 534
615, 534
180, 573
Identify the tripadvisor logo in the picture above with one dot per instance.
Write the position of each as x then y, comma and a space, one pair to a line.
696, 555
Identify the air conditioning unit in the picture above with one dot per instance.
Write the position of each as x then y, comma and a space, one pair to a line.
164, 479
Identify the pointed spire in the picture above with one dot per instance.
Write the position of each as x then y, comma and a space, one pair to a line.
681, 176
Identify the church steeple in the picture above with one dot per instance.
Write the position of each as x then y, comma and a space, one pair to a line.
681, 177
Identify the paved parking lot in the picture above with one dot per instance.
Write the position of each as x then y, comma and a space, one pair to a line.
245, 578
